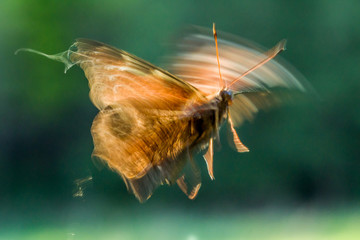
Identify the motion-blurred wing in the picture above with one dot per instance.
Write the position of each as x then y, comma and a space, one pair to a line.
246, 105
196, 63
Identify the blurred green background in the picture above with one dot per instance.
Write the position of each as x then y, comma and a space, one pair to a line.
301, 179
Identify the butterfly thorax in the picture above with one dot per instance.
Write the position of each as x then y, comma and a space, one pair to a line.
220, 104
207, 118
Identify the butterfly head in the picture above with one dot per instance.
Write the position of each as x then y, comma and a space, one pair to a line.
226, 96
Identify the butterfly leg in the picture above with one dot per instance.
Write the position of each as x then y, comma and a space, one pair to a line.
240, 147
209, 155
190, 181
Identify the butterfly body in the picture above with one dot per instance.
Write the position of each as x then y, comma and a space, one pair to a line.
209, 116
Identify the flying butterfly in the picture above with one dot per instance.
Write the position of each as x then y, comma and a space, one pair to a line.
151, 122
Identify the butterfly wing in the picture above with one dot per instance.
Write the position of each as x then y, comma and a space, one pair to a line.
196, 63
143, 145
117, 76
142, 128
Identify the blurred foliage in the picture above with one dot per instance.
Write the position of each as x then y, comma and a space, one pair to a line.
158, 224
306, 152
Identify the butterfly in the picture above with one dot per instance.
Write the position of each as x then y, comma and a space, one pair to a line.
152, 122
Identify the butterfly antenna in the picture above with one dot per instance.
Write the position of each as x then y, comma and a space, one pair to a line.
270, 55
222, 82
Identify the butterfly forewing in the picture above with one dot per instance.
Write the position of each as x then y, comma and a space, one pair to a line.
196, 63
271, 84
115, 75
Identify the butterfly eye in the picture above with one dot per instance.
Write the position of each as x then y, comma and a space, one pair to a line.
230, 101
231, 95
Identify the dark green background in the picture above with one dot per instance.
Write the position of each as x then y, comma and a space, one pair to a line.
302, 155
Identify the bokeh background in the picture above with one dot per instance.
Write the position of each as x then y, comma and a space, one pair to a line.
301, 179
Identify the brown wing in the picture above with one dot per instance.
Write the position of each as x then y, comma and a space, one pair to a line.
142, 128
